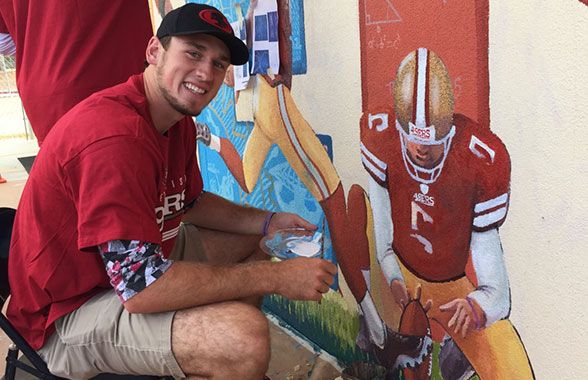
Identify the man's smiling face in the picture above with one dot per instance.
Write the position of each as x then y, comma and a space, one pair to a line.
191, 70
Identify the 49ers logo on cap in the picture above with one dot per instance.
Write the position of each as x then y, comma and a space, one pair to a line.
216, 19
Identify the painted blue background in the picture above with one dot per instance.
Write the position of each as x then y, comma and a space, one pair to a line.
278, 187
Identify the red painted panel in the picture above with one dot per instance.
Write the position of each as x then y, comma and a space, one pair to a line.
456, 30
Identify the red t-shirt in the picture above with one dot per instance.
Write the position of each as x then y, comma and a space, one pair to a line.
433, 223
104, 173
68, 49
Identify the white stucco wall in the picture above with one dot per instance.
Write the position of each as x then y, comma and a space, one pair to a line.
538, 100
539, 97
330, 93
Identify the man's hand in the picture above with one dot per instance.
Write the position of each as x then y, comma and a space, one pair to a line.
467, 315
304, 278
283, 220
399, 292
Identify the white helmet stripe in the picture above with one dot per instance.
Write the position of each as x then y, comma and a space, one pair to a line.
421, 87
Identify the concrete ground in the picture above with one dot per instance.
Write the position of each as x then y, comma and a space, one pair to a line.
292, 357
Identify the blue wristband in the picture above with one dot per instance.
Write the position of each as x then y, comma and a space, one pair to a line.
476, 319
266, 222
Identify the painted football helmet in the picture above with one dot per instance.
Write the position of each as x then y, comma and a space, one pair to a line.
423, 104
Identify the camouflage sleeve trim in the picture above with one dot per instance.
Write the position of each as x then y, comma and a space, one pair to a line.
132, 265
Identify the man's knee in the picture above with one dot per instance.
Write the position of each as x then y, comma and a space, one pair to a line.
227, 338
253, 342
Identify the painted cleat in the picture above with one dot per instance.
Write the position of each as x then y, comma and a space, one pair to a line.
401, 351
453, 363
363, 340
203, 133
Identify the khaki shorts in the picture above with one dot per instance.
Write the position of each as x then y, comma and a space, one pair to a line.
102, 337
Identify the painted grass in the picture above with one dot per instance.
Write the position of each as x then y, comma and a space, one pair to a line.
332, 326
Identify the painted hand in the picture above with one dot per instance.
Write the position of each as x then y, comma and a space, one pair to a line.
466, 315
399, 292
304, 278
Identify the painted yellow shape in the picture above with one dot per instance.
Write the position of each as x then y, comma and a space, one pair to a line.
495, 352
279, 121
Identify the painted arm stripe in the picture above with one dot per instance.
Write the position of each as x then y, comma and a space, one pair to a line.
381, 164
483, 206
170, 234
372, 169
490, 218
310, 166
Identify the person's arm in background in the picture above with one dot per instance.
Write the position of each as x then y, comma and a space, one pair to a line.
7, 46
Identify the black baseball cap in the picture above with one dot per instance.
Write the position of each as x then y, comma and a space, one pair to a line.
193, 18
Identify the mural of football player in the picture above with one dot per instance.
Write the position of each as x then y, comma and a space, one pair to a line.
278, 121
439, 191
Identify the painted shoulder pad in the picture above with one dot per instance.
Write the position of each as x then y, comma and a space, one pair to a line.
375, 138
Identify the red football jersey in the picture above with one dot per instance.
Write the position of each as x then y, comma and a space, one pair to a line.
68, 49
433, 223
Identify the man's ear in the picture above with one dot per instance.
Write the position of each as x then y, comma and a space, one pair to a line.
153, 50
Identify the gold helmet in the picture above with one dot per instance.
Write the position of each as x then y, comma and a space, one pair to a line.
423, 104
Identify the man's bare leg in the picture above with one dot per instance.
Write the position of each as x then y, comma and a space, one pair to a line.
227, 340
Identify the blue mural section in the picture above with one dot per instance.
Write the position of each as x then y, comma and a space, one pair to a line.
297, 37
327, 142
278, 187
